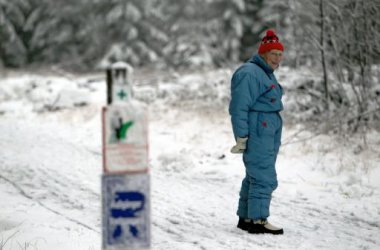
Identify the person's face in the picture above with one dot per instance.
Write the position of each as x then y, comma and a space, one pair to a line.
273, 58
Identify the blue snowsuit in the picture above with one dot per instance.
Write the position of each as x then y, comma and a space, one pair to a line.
254, 109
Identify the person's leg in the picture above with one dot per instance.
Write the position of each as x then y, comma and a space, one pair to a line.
260, 165
242, 211
263, 181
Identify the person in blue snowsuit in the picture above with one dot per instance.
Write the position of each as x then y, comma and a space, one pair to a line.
254, 108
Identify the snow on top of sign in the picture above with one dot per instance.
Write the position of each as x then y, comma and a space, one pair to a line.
122, 65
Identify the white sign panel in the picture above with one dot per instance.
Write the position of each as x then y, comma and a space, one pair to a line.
125, 145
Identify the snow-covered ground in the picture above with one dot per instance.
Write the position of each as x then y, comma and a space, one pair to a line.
51, 163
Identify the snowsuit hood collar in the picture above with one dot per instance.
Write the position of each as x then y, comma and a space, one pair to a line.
259, 61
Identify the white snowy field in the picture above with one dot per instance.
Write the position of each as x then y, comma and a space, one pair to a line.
50, 167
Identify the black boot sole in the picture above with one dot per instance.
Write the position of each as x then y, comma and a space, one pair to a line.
265, 231
245, 228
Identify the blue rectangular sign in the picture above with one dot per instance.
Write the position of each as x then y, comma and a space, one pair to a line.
126, 211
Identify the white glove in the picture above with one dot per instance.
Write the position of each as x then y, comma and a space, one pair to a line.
240, 145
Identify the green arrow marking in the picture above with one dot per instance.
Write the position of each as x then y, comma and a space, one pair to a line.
124, 128
122, 94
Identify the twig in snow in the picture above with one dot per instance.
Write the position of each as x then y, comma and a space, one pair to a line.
2, 245
52, 106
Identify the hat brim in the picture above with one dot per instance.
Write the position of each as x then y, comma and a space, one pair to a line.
270, 46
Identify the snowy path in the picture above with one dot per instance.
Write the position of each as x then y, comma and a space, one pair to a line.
50, 167
195, 184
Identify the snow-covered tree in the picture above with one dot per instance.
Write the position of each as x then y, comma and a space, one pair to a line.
22, 28
132, 30
340, 38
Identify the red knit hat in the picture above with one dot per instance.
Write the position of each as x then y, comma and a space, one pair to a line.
269, 42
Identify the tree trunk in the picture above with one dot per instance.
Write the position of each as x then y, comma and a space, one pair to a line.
323, 57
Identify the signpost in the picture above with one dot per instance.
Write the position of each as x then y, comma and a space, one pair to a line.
125, 179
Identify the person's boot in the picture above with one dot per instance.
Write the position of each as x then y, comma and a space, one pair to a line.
244, 224
263, 227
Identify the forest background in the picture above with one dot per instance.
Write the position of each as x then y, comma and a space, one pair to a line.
337, 44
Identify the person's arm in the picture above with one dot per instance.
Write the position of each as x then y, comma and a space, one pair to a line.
244, 92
